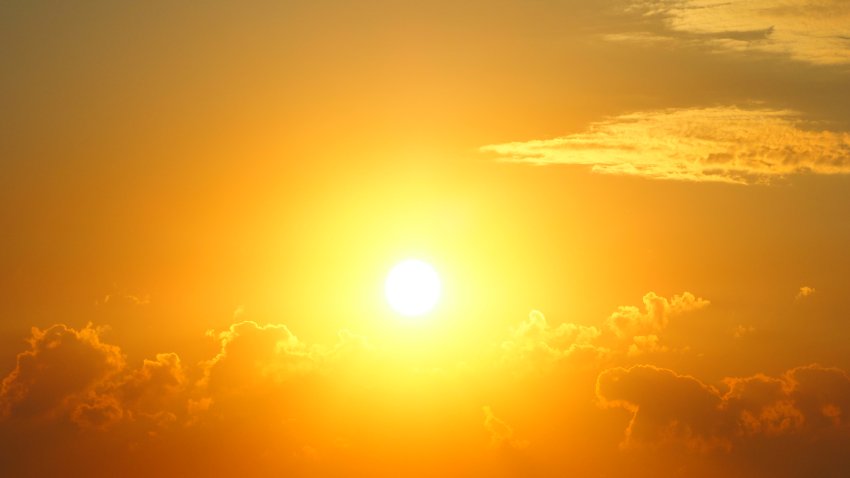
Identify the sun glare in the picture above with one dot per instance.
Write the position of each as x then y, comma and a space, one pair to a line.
412, 287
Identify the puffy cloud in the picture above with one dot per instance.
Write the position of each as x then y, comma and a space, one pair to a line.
822, 395
538, 344
289, 407
71, 374
630, 320
804, 292
99, 411
761, 405
156, 390
62, 364
534, 339
264, 394
252, 355
665, 406
722, 144
812, 31
810, 403
152, 396
643, 344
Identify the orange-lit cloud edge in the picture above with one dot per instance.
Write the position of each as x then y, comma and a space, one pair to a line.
718, 144
290, 406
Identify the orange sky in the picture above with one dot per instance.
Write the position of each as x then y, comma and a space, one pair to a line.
640, 212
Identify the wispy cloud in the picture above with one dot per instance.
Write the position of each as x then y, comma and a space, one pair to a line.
722, 144
501, 434
804, 292
812, 31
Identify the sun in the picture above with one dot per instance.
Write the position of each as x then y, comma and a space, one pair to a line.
412, 287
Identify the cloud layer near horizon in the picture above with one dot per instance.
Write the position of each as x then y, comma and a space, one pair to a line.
721, 144
299, 408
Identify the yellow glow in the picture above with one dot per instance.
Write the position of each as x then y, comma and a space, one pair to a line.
412, 287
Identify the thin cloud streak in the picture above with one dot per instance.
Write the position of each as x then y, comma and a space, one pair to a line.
720, 144
810, 31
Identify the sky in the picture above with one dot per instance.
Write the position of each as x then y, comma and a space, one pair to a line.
639, 211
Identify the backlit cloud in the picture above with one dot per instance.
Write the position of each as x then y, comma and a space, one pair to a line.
501, 434
665, 406
810, 403
254, 355
269, 398
804, 292
723, 144
812, 31
61, 366
537, 341
630, 320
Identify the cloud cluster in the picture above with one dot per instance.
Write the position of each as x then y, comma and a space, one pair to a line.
73, 391
630, 320
722, 144
805, 292
58, 373
536, 341
253, 355
72, 375
808, 403
811, 31
629, 330
267, 403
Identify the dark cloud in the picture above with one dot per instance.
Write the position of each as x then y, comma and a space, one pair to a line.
61, 365
805, 408
666, 407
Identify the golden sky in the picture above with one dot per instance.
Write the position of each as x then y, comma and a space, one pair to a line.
639, 211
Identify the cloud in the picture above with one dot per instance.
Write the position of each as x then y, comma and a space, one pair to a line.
535, 340
72, 375
809, 403
630, 331
643, 344
823, 397
666, 407
501, 434
804, 292
120, 297
155, 389
288, 407
60, 365
761, 405
811, 31
151, 397
741, 331
629, 320
253, 355
721, 144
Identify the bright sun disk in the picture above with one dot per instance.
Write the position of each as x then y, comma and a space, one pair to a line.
412, 287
